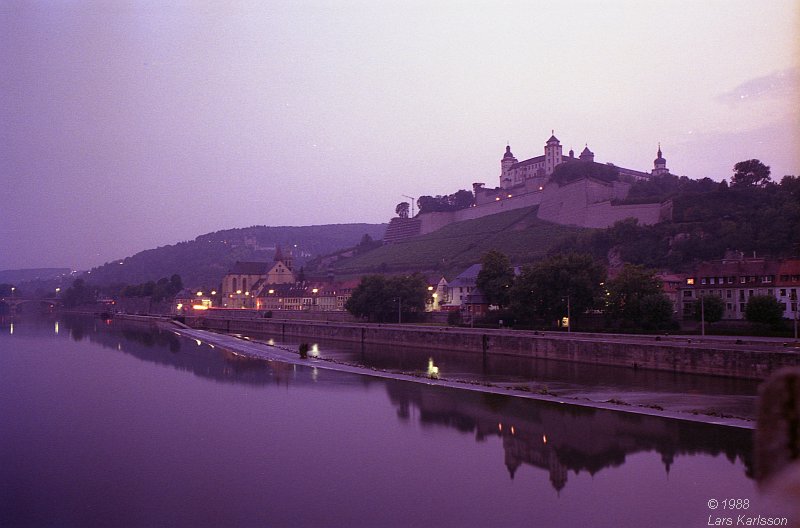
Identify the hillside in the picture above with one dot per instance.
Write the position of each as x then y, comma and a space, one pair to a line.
518, 233
204, 260
710, 220
32, 274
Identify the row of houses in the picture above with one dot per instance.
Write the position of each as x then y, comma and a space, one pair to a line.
735, 281
274, 287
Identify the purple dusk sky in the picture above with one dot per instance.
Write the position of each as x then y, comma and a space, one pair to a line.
128, 125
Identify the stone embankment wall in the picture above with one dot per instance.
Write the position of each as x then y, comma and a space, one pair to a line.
721, 358
583, 203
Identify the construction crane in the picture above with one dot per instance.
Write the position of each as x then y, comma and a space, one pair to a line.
412, 202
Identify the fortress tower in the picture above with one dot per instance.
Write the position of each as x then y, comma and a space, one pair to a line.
659, 164
552, 154
586, 154
506, 180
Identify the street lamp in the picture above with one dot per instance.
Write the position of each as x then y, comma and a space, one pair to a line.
569, 317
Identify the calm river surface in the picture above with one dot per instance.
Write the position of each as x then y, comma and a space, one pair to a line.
112, 424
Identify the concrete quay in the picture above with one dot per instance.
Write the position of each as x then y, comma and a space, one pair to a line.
745, 358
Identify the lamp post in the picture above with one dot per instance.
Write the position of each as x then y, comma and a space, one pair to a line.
399, 311
702, 316
569, 318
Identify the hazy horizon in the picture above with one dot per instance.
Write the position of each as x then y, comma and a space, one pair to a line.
127, 126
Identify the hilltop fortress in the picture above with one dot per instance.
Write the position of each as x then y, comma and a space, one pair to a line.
585, 202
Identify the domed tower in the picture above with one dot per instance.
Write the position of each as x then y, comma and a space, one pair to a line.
506, 179
552, 154
586, 154
659, 164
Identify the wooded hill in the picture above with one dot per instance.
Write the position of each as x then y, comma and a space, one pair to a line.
206, 259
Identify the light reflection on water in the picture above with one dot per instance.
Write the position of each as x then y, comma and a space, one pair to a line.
127, 426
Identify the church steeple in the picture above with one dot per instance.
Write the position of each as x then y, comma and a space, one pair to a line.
279, 257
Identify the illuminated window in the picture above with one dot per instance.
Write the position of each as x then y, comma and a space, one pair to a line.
690, 281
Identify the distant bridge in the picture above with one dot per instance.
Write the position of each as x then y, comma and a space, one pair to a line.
11, 304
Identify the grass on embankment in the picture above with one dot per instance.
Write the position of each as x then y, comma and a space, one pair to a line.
517, 233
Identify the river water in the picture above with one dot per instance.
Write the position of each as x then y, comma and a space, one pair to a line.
113, 424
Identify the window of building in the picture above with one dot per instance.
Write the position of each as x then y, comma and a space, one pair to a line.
742, 280
729, 306
749, 293
783, 292
742, 307
703, 280
712, 280
741, 295
244, 283
690, 281
730, 280
729, 294
233, 284
687, 293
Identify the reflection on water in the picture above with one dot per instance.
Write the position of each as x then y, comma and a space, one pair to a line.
265, 437
560, 438
671, 391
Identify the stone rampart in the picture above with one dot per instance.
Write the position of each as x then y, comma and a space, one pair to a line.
674, 355
431, 222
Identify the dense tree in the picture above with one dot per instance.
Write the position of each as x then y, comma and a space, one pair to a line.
544, 289
495, 278
626, 290
367, 244
80, 293
402, 209
709, 308
158, 291
750, 173
656, 312
450, 202
176, 283
379, 299
764, 309
575, 170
